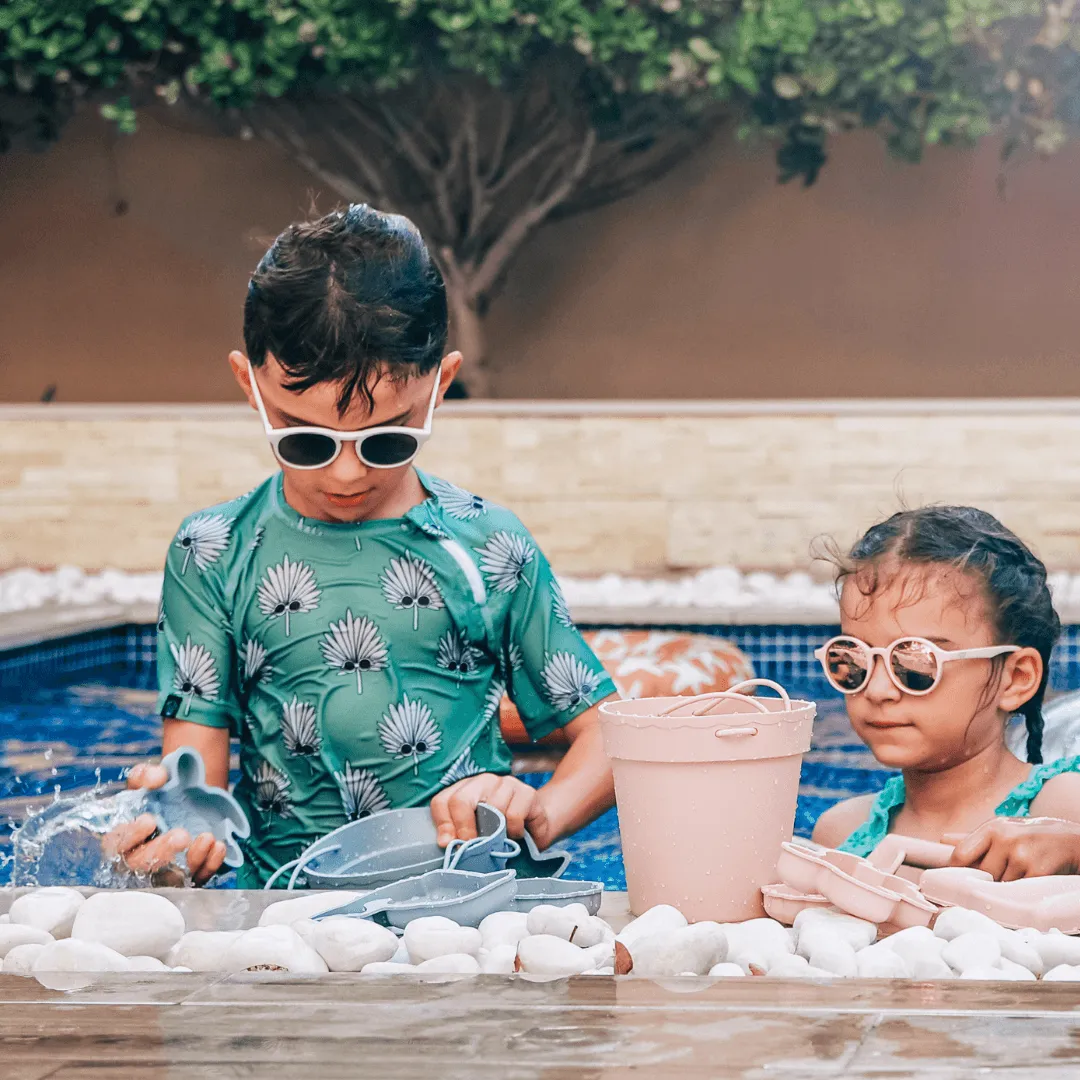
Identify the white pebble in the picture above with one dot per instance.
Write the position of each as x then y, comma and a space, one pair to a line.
450, 964
880, 962
983, 973
504, 928
954, 921
1061, 973
1018, 951
5, 918
273, 947
726, 970
603, 955
1055, 949
202, 950
1016, 972
20, 960
788, 967
134, 923
74, 955
13, 935
388, 968
835, 956
52, 910
146, 963
972, 950
600, 971
562, 922
438, 936
758, 941
348, 944
694, 948
931, 967
654, 921
593, 931
286, 912
544, 954
858, 933
402, 954
498, 960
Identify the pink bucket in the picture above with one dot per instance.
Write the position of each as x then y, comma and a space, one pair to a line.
706, 789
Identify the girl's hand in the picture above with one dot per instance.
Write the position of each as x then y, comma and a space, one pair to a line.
1012, 848
454, 808
145, 852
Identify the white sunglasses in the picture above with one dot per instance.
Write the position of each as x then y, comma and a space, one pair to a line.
913, 664
317, 447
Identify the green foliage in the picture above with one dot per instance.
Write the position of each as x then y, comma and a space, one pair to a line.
921, 71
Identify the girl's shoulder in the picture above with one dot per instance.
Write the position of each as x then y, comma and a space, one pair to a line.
1058, 793
840, 821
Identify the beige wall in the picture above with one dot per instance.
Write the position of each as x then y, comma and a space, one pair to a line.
679, 488
883, 280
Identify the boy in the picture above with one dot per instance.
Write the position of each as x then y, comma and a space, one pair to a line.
352, 621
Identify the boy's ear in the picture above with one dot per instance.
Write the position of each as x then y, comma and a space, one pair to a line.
451, 365
239, 364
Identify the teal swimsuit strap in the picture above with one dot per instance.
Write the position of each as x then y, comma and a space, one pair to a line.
873, 830
891, 797
1018, 802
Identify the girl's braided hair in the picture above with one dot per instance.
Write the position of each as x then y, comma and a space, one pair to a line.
974, 542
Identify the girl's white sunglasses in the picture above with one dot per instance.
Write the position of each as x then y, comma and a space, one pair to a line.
912, 663
317, 447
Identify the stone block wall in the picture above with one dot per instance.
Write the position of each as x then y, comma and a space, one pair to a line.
643, 488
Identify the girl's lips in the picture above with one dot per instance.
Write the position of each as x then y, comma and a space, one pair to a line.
883, 725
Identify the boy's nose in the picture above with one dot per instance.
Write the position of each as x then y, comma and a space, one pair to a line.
347, 468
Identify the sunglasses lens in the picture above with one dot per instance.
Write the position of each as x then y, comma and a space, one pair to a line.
307, 450
389, 449
914, 665
846, 664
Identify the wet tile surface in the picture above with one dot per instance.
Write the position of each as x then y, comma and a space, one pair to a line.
244, 1026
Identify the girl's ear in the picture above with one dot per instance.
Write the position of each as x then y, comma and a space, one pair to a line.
1020, 680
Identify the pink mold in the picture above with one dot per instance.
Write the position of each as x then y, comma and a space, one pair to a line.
1043, 903
783, 903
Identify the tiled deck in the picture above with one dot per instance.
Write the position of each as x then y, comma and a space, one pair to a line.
205, 1027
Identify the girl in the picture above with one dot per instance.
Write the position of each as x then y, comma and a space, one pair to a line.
947, 627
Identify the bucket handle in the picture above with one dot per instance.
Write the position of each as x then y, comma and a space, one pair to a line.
717, 696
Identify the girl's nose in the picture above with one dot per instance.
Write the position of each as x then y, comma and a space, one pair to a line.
879, 687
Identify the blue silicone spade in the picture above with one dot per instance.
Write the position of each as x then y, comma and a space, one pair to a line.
186, 801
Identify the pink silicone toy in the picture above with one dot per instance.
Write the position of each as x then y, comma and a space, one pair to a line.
855, 886
897, 850
783, 903
1043, 903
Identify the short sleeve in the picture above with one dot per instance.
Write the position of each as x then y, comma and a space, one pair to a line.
552, 675
196, 654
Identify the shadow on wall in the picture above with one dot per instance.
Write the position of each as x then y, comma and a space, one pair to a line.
883, 280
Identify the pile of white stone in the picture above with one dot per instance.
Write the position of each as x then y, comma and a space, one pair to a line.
58, 930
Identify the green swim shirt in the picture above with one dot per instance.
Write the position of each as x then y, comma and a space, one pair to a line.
361, 666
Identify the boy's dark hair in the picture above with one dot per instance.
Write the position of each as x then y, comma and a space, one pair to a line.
975, 542
347, 298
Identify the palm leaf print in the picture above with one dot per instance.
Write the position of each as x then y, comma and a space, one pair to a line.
457, 502
272, 790
504, 558
462, 769
257, 539
300, 728
455, 654
354, 646
196, 673
511, 660
409, 730
287, 589
256, 669
361, 793
493, 699
568, 681
409, 583
203, 539
559, 607
161, 615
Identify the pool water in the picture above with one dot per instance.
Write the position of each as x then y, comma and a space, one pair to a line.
70, 738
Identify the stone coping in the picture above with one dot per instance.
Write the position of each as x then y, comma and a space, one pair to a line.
89, 411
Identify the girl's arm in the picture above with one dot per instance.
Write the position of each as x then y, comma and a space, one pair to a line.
840, 821
1047, 842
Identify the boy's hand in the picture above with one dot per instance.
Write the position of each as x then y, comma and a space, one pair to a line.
145, 852
1012, 848
454, 808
